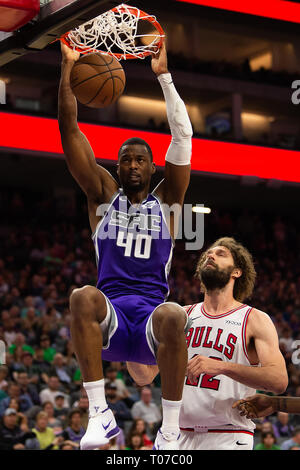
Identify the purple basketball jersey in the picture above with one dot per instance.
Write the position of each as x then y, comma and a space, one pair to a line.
133, 249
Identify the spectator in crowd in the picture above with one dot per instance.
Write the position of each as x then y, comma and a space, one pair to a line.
41, 365
30, 325
45, 434
139, 426
83, 405
147, 410
32, 370
20, 343
9, 328
29, 303
62, 371
120, 410
22, 419
267, 426
282, 427
54, 388
111, 378
60, 410
74, 431
12, 437
135, 442
14, 403
122, 372
53, 422
268, 442
3, 377
27, 388
293, 441
48, 351
68, 445
14, 391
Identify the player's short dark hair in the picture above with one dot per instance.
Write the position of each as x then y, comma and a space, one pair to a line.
73, 412
137, 141
268, 433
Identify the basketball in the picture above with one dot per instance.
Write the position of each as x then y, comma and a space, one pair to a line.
97, 80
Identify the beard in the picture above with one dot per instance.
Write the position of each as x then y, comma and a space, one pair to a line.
215, 278
129, 187
132, 185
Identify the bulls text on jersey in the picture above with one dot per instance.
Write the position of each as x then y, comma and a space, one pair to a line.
212, 338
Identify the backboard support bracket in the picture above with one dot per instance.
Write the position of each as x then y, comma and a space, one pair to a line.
55, 18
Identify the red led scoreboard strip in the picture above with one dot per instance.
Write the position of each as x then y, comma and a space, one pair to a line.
42, 135
276, 9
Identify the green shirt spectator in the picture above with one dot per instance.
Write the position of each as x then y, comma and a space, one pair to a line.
25, 347
77, 375
268, 442
49, 352
263, 447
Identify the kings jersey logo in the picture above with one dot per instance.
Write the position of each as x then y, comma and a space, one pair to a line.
136, 220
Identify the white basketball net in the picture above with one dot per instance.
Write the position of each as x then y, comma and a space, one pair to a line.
115, 29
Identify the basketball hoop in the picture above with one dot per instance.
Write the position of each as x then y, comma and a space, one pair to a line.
120, 32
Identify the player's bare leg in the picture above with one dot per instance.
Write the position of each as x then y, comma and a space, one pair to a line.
88, 310
168, 326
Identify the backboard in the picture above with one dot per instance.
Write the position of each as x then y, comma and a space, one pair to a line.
56, 17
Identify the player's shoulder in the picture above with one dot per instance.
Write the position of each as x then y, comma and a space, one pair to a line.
258, 319
257, 314
191, 308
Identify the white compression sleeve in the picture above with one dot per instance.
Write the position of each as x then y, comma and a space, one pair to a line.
180, 148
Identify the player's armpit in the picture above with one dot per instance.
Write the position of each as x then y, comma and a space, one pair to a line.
142, 374
172, 189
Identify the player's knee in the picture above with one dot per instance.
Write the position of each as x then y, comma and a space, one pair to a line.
85, 302
169, 318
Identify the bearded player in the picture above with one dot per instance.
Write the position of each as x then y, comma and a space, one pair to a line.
126, 316
232, 349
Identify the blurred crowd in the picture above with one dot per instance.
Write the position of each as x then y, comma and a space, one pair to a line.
45, 254
236, 71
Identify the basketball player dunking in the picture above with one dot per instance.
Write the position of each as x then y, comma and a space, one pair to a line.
232, 350
126, 316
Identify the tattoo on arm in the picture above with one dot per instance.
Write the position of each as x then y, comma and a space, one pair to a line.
282, 404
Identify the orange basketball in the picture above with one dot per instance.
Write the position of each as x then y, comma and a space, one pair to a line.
97, 80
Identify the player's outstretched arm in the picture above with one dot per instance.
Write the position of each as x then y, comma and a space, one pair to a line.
270, 376
94, 180
177, 169
260, 405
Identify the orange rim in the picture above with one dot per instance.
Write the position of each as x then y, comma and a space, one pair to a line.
143, 16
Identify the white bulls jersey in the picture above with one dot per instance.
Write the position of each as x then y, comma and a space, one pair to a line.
207, 403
